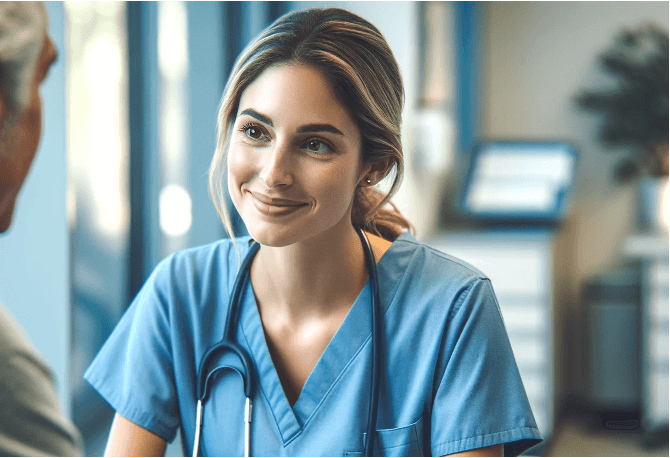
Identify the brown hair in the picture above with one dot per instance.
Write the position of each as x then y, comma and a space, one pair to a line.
358, 63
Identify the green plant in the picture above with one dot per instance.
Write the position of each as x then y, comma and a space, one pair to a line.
636, 111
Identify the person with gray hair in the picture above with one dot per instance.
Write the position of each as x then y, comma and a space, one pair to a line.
32, 422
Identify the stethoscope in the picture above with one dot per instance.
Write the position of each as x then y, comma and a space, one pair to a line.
228, 345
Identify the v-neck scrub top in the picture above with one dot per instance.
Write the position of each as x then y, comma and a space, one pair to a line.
449, 379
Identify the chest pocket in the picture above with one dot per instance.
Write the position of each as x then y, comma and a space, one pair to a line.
403, 441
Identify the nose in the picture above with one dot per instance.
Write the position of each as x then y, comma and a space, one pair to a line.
276, 168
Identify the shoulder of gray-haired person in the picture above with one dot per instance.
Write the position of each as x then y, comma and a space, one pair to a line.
32, 422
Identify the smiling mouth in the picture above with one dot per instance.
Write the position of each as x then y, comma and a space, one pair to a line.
275, 207
275, 202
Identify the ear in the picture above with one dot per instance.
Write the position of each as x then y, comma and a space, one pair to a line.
376, 172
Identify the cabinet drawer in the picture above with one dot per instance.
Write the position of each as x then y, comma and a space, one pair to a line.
539, 409
535, 382
658, 306
658, 346
658, 274
658, 397
517, 269
530, 353
524, 317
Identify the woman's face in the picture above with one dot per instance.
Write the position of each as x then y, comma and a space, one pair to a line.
294, 159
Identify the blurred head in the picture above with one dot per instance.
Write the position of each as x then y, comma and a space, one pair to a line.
324, 67
26, 53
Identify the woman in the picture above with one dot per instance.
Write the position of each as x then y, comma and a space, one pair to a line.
309, 124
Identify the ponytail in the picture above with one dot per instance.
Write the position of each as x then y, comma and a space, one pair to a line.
373, 212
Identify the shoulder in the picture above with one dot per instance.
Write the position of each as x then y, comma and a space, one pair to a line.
425, 279
15, 341
424, 260
24, 365
187, 279
32, 402
216, 259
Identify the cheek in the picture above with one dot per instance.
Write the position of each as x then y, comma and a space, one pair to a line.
32, 128
35, 120
13, 171
29, 138
336, 187
240, 167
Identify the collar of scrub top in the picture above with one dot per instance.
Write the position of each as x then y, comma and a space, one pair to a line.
227, 344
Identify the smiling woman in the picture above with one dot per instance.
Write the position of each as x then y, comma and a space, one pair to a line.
351, 336
360, 77
294, 153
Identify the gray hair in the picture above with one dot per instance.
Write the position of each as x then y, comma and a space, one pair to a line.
23, 26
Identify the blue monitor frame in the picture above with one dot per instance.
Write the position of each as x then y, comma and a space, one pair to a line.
552, 216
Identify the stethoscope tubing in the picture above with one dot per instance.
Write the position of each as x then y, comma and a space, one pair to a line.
228, 343
376, 338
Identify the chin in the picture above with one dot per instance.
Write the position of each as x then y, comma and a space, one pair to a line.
274, 232
274, 237
5, 222
6, 218
283, 235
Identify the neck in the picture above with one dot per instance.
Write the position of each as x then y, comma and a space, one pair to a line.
314, 277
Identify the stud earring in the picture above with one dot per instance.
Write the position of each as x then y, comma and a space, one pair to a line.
368, 181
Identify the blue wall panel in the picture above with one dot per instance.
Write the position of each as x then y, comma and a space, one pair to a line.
207, 58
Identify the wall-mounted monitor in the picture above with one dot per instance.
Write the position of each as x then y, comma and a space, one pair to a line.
519, 181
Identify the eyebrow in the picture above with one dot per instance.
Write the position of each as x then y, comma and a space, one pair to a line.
306, 129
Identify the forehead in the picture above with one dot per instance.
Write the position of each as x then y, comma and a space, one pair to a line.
295, 93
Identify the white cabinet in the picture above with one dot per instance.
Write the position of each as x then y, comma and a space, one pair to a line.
652, 251
519, 264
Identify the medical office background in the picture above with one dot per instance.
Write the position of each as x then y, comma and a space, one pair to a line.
120, 181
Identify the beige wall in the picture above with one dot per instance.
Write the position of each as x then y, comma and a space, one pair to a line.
536, 57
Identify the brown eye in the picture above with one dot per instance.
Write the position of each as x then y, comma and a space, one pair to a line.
316, 146
254, 132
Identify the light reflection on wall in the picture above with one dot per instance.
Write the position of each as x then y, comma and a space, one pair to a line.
175, 202
175, 210
97, 88
98, 193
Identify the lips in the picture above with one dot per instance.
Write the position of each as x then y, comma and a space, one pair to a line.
274, 201
272, 206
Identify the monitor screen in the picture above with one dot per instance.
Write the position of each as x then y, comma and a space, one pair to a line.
519, 180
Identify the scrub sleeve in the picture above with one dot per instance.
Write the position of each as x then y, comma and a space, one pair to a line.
481, 390
133, 370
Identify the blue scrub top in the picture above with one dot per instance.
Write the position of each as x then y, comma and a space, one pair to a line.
449, 379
